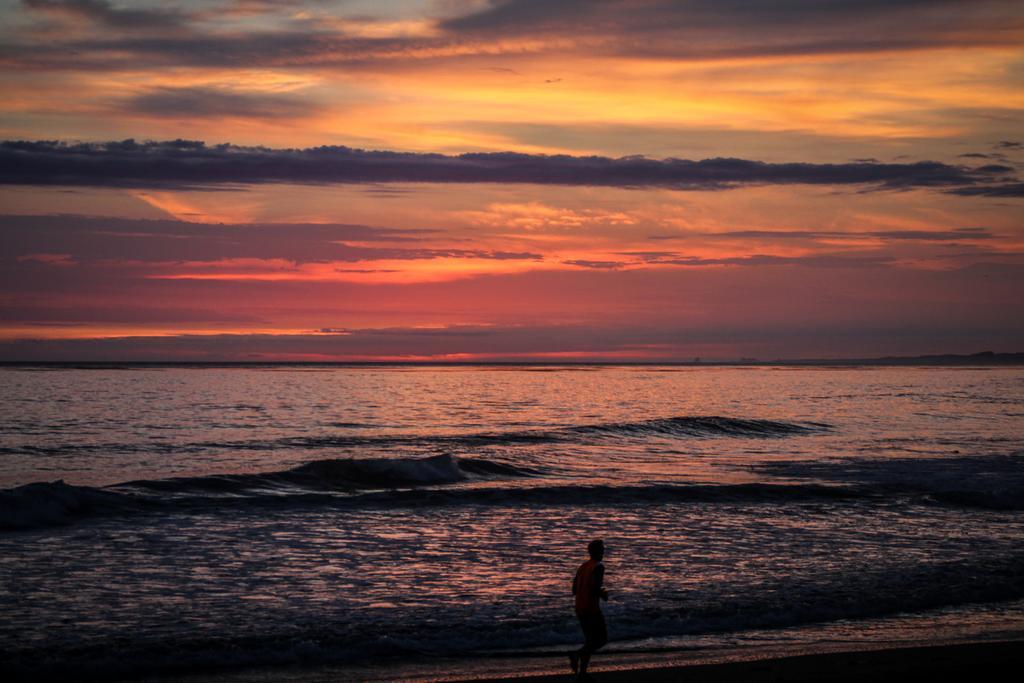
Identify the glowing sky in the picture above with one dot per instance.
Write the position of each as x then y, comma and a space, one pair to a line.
510, 179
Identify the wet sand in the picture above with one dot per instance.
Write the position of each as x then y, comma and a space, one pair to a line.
970, 662
988, 661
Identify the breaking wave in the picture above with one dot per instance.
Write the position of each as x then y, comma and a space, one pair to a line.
670, 427
696, 426
382, 483
343, 474
52, 503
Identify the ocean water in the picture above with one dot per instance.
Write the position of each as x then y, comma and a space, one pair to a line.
161, 520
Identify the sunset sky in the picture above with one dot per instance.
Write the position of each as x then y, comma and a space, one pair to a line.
510, 179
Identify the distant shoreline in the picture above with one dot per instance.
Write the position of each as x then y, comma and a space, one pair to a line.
986, 359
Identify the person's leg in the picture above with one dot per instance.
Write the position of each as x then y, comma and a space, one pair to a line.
600, 635
576, 656
579, 659
584, 660
596, 634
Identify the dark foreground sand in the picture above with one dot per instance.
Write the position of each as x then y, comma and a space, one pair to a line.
987, 662
1002, 661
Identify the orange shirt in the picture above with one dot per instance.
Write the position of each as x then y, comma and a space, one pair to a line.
587, 599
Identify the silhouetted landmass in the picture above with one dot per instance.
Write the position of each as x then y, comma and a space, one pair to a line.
983, 358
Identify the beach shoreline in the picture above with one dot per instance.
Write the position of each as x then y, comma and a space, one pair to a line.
964, 661
981, 660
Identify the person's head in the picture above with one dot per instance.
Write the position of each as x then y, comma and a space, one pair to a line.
596, 549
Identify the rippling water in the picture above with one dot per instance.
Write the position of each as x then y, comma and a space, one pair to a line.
162, 519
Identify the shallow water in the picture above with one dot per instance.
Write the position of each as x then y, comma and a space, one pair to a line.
293, 515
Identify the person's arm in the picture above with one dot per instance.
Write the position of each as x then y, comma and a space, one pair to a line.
575, 582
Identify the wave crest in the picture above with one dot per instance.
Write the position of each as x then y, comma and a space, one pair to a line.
53, 503
704, 426
683, 426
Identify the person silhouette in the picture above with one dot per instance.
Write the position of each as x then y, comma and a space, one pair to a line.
588, 587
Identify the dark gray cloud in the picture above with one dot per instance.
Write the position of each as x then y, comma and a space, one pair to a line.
85, 239
597, 265
107, 14
934, 235
814, 235
995, 169
675, 14
996, 190
708, 28
677, 29
56, 315
182, 164
813, 261
649, 255
668, 258
215, 103
304, 48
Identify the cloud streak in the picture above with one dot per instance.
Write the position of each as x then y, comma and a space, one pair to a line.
107, 15
81, 239
201, 102
677, 29
698, 29
183, 164
958, 234
996, 190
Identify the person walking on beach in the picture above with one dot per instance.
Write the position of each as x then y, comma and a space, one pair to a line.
588, 587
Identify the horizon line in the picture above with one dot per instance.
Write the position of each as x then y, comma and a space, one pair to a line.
979, 358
